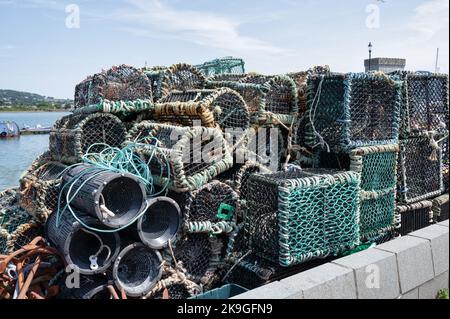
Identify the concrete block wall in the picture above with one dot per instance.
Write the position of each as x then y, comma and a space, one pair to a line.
415, 266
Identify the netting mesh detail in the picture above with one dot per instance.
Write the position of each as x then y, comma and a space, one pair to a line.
224, 108
195, 154
118, 83
414, 216
300, 215
182, 77
419, 170
23, 235
39, 187
353, 110
445, 164
226, 65
73, 135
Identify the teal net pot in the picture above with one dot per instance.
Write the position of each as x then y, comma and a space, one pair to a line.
73, 135
419, 170
270, 99
352, 110
296, 216
425, 104
118, 83
440, 208
39, 187
222, 108
445, 168
224, 292
178, 77
224, 65
415, 216
183, 158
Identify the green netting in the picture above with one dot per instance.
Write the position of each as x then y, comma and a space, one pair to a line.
352, 110
296, 216
414, 216
195, 154
120, 108
270, 99
222, 66
39, 187
440, 208
377, 214
425, 104
419, 170
118, 83
73, 135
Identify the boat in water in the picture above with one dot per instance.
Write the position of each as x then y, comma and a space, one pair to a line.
9, 129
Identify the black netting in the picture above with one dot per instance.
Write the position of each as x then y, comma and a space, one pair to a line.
414, 216
174, 291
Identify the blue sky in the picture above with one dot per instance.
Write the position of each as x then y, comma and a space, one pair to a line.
38, 53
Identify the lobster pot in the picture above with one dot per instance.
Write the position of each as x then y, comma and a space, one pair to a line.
156, 76
39, 187
419, 170
91, 287
415, 216
160, 223
115, 199
178, 77
227, 65
118, 83
377, 214
74, 135
212, 209
352, 110
295, 216
425, 105
184, 158
91, 252
223, 108
12, 217
440, 208
445, 168
137, 269
201, 257
23, 235
270, 100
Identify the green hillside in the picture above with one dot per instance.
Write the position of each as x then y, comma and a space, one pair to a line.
11, 100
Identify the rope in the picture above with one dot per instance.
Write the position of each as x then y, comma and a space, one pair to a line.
312, 115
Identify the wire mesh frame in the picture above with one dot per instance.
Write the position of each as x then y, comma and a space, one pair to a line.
352, 110
445, 162
23, 235
419, 170
118, 83
299, 216
226, 65
39, 187
414, 216
73, 135
440, 208
187, 172
425, 103
156, 76
181, 77
223, 108
212, 209
270, 100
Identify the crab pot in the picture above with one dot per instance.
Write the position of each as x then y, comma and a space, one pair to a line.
222, 108
195, 155
228, 65
200, 255
445, 163
118, 83
39, 187
440, 208
211, 209
295, 216
73, 135
419, 170
270, 100
352, 110
91, 287
425, 105
160, 223
169, 288
113, 198
415, 216
23, 235
137, 269
79, 246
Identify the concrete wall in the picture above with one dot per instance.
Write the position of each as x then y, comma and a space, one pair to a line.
414, 266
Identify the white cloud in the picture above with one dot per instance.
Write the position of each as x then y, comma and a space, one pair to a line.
200, 27
430, 18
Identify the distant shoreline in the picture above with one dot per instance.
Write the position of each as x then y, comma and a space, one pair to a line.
4, 110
